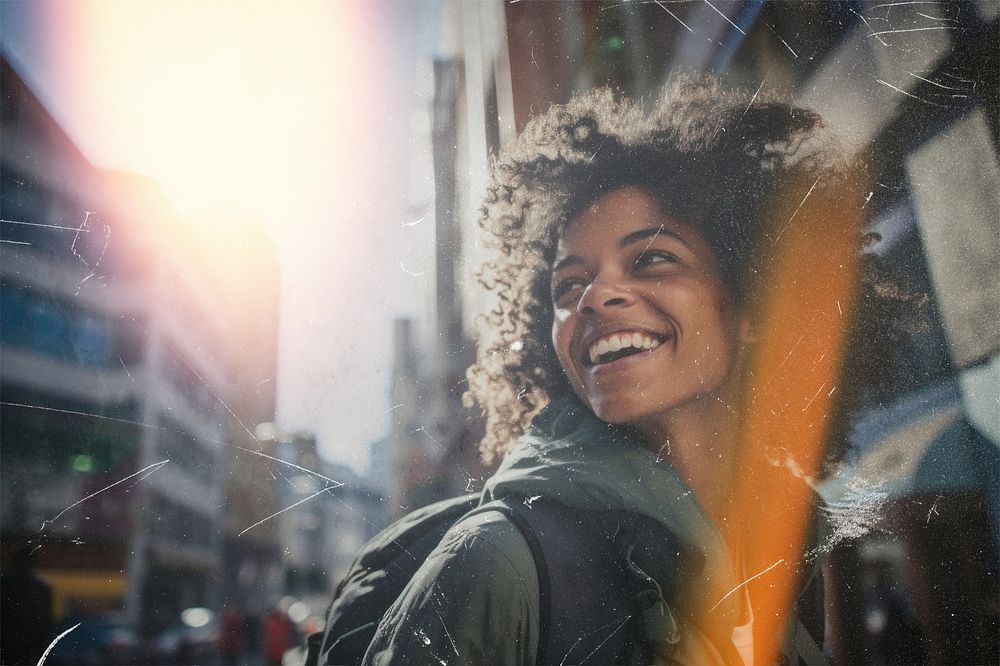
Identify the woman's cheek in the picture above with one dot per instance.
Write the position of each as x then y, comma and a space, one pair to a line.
562, 336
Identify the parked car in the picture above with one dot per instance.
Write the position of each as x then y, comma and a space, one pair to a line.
193, 639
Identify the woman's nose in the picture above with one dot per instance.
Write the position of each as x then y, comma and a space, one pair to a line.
602, 294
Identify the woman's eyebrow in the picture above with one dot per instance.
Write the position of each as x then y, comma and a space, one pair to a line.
650, 233
571, 260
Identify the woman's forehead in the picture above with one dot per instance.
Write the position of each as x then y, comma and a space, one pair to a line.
622, 216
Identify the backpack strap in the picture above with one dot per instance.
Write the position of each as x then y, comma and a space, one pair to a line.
597, 605
809, 652
541, 567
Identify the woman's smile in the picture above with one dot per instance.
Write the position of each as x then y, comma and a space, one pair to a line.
607, 349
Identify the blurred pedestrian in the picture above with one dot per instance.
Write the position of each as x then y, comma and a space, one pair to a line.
230, 635
278, 636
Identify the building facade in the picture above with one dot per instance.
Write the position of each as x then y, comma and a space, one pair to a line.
123, 394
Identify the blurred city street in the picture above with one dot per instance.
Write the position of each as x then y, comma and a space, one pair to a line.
238, 299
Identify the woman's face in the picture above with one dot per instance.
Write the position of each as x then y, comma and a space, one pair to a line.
643, 324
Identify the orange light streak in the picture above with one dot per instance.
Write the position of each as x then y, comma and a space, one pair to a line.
807, 294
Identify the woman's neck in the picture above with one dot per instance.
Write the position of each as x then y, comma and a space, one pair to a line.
699, 441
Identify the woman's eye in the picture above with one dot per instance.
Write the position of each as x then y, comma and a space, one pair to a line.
650, 258
562, 290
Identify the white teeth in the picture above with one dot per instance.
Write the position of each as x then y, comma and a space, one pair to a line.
618, 342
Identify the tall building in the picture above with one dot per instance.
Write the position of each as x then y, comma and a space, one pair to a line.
434, 440
121, 385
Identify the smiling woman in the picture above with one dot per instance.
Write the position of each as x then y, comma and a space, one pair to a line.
643, 369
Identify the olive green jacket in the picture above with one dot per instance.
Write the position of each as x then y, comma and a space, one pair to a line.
475, 600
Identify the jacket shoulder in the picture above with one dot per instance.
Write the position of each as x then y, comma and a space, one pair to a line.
473, 600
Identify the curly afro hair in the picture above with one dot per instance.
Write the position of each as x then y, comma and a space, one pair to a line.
711, 157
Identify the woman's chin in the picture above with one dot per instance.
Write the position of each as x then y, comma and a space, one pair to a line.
616, 410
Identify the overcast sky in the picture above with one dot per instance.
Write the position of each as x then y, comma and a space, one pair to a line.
311, 120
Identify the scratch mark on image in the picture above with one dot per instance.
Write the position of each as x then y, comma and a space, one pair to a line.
617, 629
584, 637
446, 632
869, 25
801, 203
727, 405
248, 431
934, 510
935, 18
738, 28
901, 30
336, 484
47, 226
813, 399
900, 4
933, 83
649, 244
752, 100
659, 454
393, 408
782, 40
289, 508
156, 427
959, 78
441, 448
93, 416
152, 468
797, 342
14, 242
45, 655
408, 271
92, 270
664, 8
126, 370
287, 480
413, 224
746, 582
919, 99
214, 395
